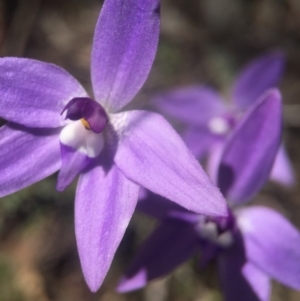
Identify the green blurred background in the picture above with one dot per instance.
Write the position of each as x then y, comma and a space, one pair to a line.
202, 41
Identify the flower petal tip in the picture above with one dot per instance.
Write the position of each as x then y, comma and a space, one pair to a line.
59, 187
273, 99
93, 279
258, 76
218, 209
274, 92
93, 285
135, 282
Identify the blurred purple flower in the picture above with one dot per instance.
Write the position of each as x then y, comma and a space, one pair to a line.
208, 118
252, 244
54, 125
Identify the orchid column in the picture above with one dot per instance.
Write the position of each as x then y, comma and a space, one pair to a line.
53, 124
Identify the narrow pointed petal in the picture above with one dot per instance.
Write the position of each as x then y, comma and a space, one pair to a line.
260, 75
250, 151
282, 170
26, 156
73, 162
152, 154
171, 244
125, 43
105, 201
241, 280
271, 243
33, 93
194, 105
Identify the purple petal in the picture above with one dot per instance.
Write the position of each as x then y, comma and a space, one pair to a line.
260, 75
124, 48
161, 208
156, 206
208, 252
143, 194
33, 93
105, 201
214, 158
199, 141
250, 151
27, 156
152, 154
194, 105
258, 280
282, 170
171, 244
271, 243
73, 162
240, 279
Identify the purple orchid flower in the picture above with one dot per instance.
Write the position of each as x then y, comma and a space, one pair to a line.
252, 244
208, 118
54, 125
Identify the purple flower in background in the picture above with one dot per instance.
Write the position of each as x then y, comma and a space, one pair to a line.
208, 118
251, 245
54, 125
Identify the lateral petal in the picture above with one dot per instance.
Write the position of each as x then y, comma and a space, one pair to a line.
26, 156
124, 47
200, 141
272, 243
172, 243
33, 93
105, 201
261, 74
152, 154
194, 105
250, 151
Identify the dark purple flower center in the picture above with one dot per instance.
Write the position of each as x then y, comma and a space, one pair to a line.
220, 230
223, 224
90, 112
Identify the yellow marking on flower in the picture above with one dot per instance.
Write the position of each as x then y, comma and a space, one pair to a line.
85, 123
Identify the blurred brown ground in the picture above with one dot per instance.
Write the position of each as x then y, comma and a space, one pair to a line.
201, 41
